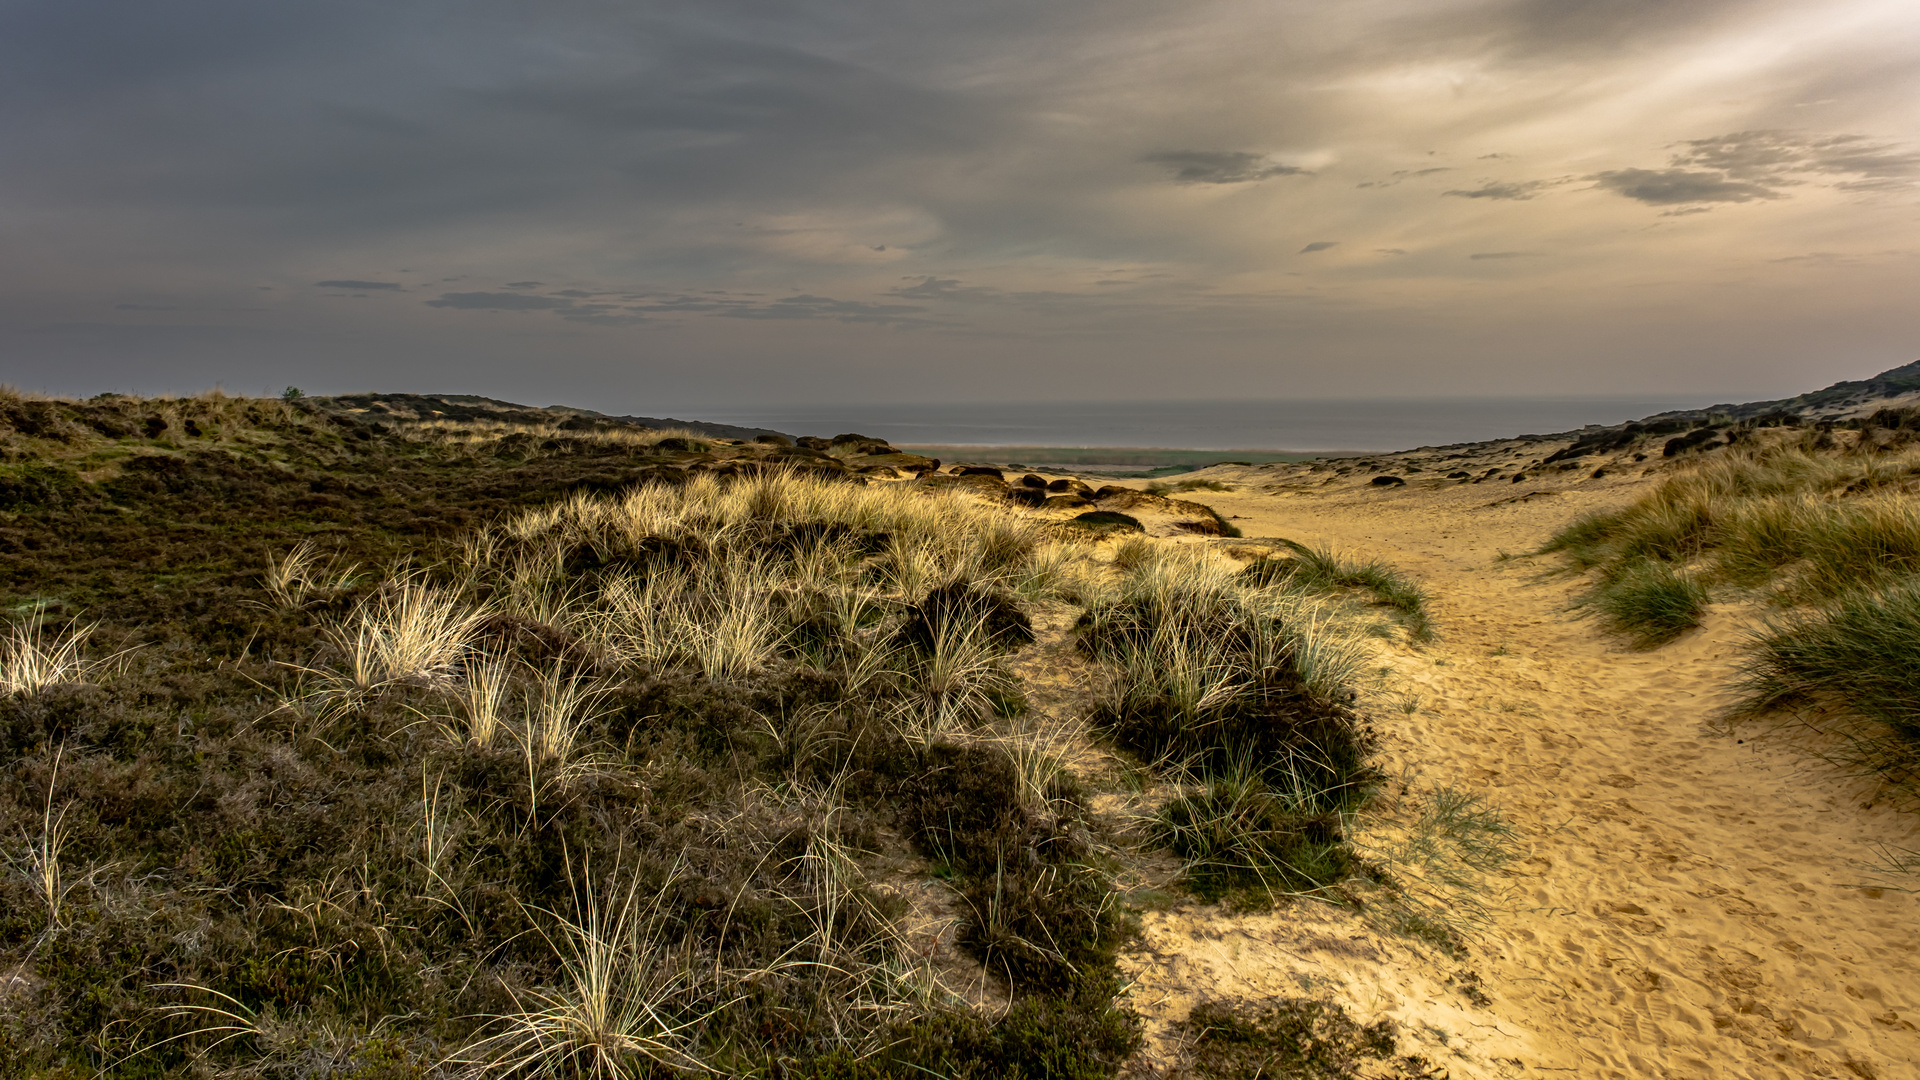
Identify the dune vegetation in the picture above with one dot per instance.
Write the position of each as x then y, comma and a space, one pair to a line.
1821, 526
341, 746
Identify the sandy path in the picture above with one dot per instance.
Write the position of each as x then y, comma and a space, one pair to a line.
1692, 904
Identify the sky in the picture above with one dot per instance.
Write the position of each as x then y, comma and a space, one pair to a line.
650, 206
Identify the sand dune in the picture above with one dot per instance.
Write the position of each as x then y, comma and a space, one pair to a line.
1694, 901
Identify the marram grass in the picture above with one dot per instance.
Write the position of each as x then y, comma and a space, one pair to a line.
1833, 538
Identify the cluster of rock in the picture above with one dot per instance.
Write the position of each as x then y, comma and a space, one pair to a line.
1064, 497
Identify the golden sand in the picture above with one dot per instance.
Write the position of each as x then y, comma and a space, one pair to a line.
1693, 901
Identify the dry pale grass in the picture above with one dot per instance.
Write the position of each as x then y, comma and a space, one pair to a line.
479, 434
32, 659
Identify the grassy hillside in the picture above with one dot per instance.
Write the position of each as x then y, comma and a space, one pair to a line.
416, 746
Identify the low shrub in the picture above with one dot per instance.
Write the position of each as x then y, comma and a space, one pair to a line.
1289, 1039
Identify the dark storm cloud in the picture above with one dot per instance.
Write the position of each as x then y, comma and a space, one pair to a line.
297, 130
1665, 187
363, 286
1220, 166
1516, 190
1318, 245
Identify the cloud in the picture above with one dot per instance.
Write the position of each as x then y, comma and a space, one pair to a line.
1504, 255
496, 301
934, 288
609, 319
1518, 189
1667, 187
1318, 245
1220, 166
806, 306
1752, 166
1771, 156
666, 161
1399, 176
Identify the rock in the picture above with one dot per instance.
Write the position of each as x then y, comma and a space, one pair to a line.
1458, 475
1071, 486
1388, 481
773, 440
1690, 441
843, 440
906, 463
1033, 481
1066, 502
1519, 476
1108, 521
979, 470
813, 442
1026, 496
985, 485
1211, 525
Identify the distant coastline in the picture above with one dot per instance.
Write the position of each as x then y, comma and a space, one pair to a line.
1112, 459
1293, 428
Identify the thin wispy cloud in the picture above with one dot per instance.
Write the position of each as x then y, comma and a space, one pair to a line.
1519, 190
1220, 166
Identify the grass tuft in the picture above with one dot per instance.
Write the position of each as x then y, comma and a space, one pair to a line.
1830, 532
1859, 655
32, 660
624, 997
1320, 569
1650, 603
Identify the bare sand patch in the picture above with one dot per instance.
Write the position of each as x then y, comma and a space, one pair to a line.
1694, 901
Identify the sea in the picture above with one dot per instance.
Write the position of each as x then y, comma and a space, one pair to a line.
1294, 426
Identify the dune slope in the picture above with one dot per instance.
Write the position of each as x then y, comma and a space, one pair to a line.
1697, 901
